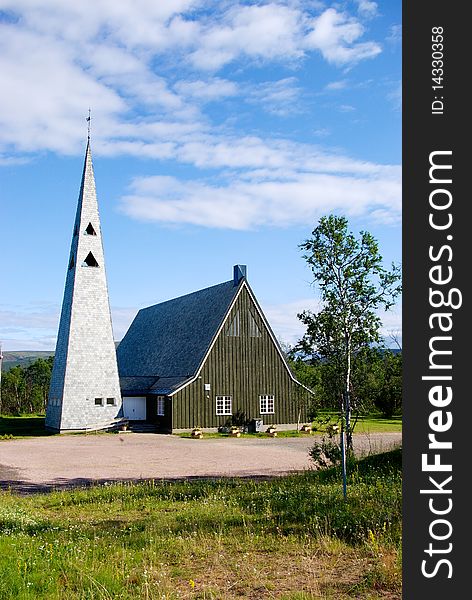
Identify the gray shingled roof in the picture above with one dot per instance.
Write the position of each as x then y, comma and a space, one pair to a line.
136, 386
168, 341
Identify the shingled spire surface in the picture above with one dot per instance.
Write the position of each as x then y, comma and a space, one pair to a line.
85, 389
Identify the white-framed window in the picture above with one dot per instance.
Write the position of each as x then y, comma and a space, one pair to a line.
266, 404
223, 405
111, 401
98, 401
161, 406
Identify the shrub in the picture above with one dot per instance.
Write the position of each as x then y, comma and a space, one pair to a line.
325, 454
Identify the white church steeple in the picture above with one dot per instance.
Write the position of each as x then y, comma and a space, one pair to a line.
85, 390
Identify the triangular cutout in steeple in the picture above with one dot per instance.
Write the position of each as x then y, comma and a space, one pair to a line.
90, 261
90, 230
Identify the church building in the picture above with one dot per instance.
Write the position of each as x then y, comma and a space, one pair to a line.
205, 359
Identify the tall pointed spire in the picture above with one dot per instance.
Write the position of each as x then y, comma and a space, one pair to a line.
85, 390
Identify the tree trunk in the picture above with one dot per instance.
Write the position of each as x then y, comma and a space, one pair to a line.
347, 398
342, 445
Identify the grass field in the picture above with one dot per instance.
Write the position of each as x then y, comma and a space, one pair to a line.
292, 538
371, 424
24, 426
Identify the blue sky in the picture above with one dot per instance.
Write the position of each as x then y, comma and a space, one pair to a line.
221, 132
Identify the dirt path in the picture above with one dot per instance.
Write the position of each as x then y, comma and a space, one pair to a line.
41, 464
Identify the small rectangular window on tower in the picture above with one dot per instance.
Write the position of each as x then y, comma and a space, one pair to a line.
111, 401
98, 401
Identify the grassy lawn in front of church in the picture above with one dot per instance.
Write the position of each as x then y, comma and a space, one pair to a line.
291, 538
365, 424
23, 426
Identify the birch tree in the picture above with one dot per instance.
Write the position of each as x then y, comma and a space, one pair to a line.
353, 286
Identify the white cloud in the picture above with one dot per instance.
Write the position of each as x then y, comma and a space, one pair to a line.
34, 326
207, 91
283, 318
31, 327
132, 21
395, 95
6, 161
266, 31
346, 108
288, 328
322, 132
263, 183
336, 85
367, 8
271, 198
335, 35
277, 97
116, 58
395, 36
277, 156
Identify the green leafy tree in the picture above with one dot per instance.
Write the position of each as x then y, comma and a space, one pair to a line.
377, 381
388, 398
310, 376
37, 379
13, 390
25, 389
353, 286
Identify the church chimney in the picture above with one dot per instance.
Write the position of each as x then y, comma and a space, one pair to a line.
239, 272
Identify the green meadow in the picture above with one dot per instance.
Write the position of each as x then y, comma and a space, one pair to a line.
293, 538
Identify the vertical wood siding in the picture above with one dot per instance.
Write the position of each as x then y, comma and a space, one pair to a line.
243, 367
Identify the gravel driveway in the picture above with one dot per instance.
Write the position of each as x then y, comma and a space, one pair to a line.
41, 464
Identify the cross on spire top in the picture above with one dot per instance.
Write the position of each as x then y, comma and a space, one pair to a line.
89, 123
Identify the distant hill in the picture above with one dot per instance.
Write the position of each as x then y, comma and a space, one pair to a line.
22, 358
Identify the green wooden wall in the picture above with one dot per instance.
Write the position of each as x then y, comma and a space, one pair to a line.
244, 367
